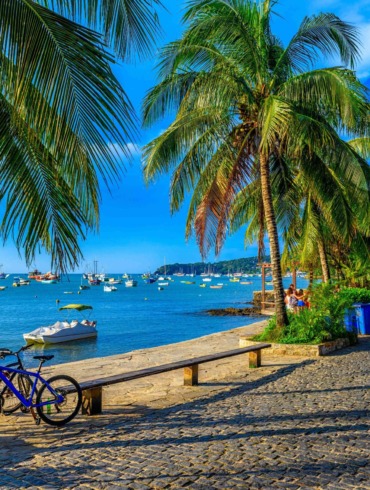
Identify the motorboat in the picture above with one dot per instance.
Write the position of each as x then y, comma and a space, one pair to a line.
64, 331
130, 283
109, 289
20, 281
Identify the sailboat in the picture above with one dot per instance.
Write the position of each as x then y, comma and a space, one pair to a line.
2, 274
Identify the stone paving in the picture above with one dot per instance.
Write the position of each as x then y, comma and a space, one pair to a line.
300, 425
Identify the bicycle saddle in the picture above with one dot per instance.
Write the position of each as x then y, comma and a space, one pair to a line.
43, 358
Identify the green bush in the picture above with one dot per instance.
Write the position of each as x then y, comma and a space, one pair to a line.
323, 321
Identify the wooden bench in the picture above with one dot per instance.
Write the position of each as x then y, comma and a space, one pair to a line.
93, 389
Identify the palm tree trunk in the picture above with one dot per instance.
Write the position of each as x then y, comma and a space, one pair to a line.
324, 261
280, 310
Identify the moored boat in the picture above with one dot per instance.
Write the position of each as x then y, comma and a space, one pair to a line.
64, 331
109, 289
130, 282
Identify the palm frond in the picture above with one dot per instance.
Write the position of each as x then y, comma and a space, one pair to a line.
130, 27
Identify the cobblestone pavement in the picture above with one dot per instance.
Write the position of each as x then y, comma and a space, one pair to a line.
300, 426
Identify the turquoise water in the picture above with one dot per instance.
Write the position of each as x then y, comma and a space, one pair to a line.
128, 319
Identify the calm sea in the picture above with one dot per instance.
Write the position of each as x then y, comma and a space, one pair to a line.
128, 319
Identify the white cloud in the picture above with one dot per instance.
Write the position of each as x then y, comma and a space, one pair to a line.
132, 149
357, 13
363, 67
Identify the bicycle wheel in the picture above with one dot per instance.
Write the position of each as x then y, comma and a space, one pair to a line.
59, 413
11, 402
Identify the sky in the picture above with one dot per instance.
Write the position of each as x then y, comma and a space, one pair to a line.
137, 232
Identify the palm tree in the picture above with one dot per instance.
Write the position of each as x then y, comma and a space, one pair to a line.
245, 104
65, 121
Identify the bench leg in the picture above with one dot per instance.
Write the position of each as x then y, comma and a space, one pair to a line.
92, 401
191, 375
255, 359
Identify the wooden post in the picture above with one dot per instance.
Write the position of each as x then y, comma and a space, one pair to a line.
92, 401
255, 359
191, 375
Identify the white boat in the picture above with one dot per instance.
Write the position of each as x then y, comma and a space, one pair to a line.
64, 331
207, 279
131, 283
163, 283
109, 289
20, 281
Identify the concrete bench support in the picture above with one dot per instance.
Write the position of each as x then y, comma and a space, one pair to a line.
191, 375
255, 359
92, 401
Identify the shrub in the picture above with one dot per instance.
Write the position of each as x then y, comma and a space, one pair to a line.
323, 321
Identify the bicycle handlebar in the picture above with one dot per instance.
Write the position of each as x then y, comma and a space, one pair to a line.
7, 352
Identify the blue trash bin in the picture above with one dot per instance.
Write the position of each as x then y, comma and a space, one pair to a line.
363, 318
351, 321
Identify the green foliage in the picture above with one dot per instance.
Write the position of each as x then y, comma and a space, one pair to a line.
322, 322
355, 295
246, 265
65, 120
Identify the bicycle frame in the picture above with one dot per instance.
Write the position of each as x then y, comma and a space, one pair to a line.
28, 402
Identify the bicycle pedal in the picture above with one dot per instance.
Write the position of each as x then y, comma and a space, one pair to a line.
25, 409
37, 420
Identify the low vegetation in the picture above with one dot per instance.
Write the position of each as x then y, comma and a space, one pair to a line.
323, 321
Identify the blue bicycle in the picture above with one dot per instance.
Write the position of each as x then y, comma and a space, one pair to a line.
57, 401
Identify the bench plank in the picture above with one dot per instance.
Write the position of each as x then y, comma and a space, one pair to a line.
163, 368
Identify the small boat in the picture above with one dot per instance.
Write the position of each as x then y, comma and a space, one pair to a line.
202, 285
112, 280
93, 281
160, 288
2, 288
3, 275
20, 281
109, 289
216, 287
245, 282
150, 280
68, 292
234, 279
83, 287
34, 274
269, 283
207, 279
163, 283
49, 281
187, 282
64, 331
130, 282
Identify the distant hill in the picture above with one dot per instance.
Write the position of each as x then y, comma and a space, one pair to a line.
246, 265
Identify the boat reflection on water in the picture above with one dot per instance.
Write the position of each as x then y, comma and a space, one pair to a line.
68, 352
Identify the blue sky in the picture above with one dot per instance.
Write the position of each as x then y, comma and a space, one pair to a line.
137, 232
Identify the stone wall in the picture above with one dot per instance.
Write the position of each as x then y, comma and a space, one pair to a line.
303, 350
257, 297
